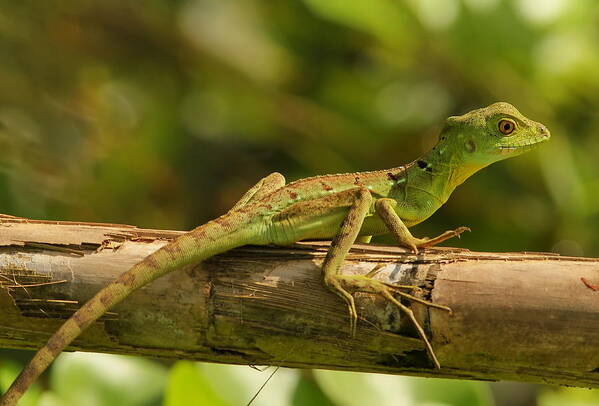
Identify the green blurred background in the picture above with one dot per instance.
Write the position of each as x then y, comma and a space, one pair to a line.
162, 113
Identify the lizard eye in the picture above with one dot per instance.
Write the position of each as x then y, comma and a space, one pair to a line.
506, 127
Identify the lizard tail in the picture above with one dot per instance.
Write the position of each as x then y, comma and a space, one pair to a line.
212, 238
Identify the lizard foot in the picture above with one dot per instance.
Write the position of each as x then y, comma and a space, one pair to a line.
342, 285
429, 242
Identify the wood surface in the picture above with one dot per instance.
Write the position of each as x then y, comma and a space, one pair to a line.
516, 316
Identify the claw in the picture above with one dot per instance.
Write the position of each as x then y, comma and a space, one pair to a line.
410, 314
374, 271
343, 284
429, 242
395, 289
397, 286
460, 230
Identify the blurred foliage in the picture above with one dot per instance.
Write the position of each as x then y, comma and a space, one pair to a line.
8, 372
161, 113
105, 380
188, 386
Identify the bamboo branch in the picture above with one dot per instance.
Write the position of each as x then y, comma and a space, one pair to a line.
517, 316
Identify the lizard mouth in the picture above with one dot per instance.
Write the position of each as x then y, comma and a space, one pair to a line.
526, 145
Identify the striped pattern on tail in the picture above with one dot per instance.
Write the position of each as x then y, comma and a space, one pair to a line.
214, 237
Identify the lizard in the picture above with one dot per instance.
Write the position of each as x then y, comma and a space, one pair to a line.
344, 208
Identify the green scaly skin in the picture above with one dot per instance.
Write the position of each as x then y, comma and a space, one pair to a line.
344, 208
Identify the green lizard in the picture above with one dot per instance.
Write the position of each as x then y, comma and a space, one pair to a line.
343, 208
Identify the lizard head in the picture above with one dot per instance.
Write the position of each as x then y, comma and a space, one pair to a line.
492, 133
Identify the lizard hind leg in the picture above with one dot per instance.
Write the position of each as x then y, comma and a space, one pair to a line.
345, 285
365, 284
340, 246
264, 187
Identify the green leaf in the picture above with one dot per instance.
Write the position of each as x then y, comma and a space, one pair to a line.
350, 388
188, 386
238, 384
449, 392
382, 18
309, 393
103, 379
358, 389
569, 396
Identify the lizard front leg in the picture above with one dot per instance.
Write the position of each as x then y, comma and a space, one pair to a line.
385, 208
